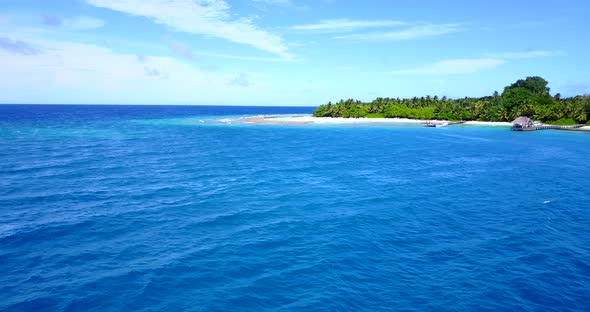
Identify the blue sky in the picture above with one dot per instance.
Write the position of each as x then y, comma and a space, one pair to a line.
285, 52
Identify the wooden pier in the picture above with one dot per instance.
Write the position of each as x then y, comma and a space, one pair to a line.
555, 127
524, 123
546, 127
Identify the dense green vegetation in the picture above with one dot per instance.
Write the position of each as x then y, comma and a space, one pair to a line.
526, 97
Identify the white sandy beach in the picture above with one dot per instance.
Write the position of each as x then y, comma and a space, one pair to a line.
489, 123
338, 120
329, 120
303, 120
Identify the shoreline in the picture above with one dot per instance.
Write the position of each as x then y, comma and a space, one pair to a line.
307, 120
584, 128
303, 120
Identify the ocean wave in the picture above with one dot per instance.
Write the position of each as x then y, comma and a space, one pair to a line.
178, 214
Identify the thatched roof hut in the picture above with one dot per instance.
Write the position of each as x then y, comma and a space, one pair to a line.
523, 121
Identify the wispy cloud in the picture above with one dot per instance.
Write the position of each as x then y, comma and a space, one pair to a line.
75, 23
526, 54
411, 33
51, 20
83, 23
469, 66
241, 80
338, 25
17, 46
207, 17
245, 57
454, 67
180, 49
102, 75
141, 58
275, 2
154, 72
264, 5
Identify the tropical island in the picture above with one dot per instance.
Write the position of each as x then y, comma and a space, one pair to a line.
526, 97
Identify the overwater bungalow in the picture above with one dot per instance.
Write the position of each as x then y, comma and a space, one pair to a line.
523, 123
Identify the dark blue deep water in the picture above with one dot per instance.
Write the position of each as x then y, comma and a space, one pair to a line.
168, 208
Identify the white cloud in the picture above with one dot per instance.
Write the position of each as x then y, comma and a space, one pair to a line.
414, 32
469, 66
207, 17
83, 23
17, 46
244, 57
275, 2
241, 80
264, 5
52, 20
527, 54
75, 23
454, 67
180, 49
335, 25
69, 72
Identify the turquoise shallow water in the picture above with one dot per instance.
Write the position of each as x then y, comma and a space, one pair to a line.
106, 208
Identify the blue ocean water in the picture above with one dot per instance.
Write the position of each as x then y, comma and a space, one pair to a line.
172, 208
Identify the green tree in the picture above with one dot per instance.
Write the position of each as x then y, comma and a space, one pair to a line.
529, 97
536, 85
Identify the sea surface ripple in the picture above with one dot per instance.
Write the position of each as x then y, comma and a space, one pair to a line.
167, 208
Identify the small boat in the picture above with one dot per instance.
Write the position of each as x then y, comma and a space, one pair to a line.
437, 124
